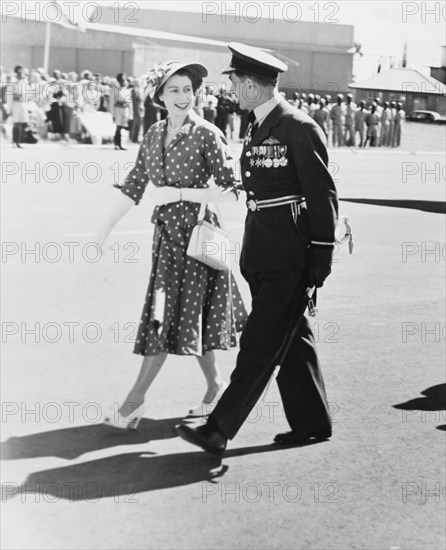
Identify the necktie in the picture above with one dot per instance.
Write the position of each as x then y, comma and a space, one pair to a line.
253, 122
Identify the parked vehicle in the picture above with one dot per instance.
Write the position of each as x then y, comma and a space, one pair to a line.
426, 116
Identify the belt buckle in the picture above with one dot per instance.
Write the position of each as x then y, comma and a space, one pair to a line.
252, 205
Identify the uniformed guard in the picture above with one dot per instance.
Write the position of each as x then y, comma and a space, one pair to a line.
288, 246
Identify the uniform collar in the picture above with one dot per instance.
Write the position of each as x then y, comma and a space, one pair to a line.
263, 110
271, 119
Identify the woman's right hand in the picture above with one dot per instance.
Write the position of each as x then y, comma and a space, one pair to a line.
100, 238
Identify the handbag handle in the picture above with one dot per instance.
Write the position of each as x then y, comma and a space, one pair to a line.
217, 211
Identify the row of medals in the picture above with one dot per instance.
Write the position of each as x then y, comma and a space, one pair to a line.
266, 156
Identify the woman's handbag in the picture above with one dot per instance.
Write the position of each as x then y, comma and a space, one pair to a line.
209, 244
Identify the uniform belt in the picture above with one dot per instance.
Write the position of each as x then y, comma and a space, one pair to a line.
257, 204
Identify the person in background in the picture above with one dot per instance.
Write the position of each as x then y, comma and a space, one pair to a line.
337, 115
137, 110
221, 120
151, 113
391, 117
72, 106
360, 116
120, 104
378, 106
198, 104
210, 106
329, 105
232, 108
372, 121
97, 79
106, 87
400, 116
321, 116
56, 115
384, 132
17, 105
295, 99
313, 105
349, 130
6, 80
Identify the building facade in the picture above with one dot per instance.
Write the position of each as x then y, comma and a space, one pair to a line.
317, 54
408, 86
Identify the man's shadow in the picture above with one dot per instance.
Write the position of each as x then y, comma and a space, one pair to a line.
434, 400
123, 476
73, 442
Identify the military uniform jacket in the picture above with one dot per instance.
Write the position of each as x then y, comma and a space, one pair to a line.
286, 156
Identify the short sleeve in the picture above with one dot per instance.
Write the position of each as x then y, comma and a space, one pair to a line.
136, 181
219, 159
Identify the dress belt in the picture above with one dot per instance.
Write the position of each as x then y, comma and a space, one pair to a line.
257, 204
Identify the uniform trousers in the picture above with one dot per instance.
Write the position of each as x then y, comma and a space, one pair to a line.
275, 297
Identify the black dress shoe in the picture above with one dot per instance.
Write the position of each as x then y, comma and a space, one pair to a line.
209, 439
297, 438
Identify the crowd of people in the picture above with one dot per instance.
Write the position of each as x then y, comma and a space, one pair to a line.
344, 123
40, 106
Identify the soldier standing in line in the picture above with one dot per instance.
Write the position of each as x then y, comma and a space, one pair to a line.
385, 126
399, 120
391, 118
350, 109
321, 116
372, 121
337, 116
329, 106
360, 116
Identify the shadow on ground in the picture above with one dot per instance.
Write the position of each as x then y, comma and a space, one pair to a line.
434, 400
123, 476
71, 443
437, 207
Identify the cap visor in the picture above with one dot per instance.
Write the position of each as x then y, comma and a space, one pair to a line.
229, 70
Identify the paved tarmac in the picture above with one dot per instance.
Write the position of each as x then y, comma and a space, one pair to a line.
70, 482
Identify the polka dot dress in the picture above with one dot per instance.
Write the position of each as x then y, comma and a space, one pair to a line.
190, 308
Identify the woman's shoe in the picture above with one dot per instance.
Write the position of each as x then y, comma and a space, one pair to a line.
120, 148
205, 409
129, 422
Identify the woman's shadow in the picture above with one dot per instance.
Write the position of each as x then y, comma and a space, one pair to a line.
120, 476
124, 476
71, 443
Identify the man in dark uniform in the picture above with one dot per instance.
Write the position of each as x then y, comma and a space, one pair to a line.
287, 247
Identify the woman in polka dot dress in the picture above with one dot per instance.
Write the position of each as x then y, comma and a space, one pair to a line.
190, 308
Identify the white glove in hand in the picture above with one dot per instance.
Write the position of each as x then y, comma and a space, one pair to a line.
164, 195
100, 238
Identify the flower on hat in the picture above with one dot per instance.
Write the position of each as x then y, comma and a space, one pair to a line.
155, 76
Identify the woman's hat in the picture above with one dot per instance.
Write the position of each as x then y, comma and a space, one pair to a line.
160, 74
